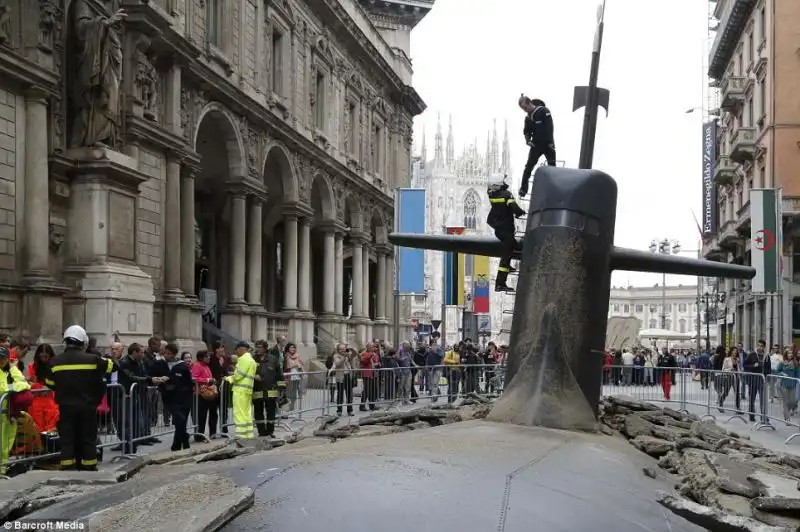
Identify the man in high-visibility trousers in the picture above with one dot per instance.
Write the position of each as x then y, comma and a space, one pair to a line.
78, 379
242, 382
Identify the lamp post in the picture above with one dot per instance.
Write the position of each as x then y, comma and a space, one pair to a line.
664, 247
711, 296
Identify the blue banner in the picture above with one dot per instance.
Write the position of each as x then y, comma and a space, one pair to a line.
411, 219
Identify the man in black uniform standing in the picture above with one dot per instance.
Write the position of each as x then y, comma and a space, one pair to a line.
501, 219
274, 385
538, 133
78, 378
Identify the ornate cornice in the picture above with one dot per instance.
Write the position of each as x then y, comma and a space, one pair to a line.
15, 68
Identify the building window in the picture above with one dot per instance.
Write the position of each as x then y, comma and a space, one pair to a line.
319, 101
668, 324
653, 309
750, 121
682, 307
471, 210
796, 259
277, 62
616, 308
653, 324
750, 48
419, 299
682, 326
627, 309
214, 22
762, 24
639, 309
352, 118
377, 150
762, 95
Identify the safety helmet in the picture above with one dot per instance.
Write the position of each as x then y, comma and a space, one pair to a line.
77, 334
496, 183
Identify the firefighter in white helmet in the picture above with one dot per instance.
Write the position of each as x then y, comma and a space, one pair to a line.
79, 381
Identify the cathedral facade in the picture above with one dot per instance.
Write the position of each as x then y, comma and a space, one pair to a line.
456, 196
202, 169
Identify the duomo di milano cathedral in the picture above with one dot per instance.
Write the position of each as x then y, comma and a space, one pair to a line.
187, 166
456, 196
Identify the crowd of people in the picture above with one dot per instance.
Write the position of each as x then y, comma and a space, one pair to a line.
744, 374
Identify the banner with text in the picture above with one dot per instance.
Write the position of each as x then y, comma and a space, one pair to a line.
764, 234
410, 213
710, 207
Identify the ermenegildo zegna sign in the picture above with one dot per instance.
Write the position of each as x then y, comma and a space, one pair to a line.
710, 209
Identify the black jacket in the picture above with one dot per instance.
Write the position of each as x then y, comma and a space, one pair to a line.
79, 378
753, 363
179, 389
130, 372
270, 370
504, 209
539, 126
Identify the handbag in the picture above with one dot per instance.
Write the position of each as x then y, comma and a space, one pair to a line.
208, 392
19, 402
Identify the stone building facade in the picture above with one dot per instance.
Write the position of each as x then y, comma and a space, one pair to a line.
201, 168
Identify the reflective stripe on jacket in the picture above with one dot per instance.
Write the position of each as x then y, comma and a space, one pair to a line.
243, 376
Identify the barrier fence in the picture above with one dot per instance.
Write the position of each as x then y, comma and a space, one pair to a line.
129, 419
760, 400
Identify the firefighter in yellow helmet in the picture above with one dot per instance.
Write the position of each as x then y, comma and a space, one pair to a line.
11, 380
242, 382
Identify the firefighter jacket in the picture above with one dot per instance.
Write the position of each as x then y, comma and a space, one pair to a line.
79, 378
539, 126
11, 380
504, 209
244, 374
270, 371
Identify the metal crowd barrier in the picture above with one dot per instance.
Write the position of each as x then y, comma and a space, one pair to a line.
752, 398
129, 419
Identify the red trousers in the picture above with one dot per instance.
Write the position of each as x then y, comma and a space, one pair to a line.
666, 383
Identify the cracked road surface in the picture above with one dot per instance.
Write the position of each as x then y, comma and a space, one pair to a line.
473, 476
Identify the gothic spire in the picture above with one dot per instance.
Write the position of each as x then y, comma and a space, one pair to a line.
494, 161
451, 147
424, 148
438, 152
489, 169
506, 165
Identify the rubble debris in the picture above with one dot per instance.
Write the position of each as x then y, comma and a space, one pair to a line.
726, 482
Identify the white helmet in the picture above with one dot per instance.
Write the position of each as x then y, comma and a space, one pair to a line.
76, 333
496, 182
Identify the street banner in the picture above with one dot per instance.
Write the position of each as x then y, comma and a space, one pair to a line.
484, 324
710, 208
480, 284
454, 272
764, 247
410, 212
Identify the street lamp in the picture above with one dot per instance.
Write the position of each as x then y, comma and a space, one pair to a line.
712, 296
664, 247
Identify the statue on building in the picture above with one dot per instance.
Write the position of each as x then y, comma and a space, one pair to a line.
98, 70
5, 24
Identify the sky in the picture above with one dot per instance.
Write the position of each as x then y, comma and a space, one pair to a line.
473, 58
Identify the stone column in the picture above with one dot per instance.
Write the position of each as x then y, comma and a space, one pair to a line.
338, 302
188, 235
37, 189
304, 266
329, 279
290, 263
255, 238
380, 293
238, 233
366, 295
172, 227
358, 278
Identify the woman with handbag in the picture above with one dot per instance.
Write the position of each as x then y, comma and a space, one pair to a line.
207, 391
15, 398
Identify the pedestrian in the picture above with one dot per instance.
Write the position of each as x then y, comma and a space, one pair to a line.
208, 394
177, 393
274, 385
538, 133
12, 381
79, 380
342, 370
293, 367
241, 382
43, 409
787, 373
667, 364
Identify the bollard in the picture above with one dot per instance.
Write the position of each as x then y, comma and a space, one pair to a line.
561, 306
